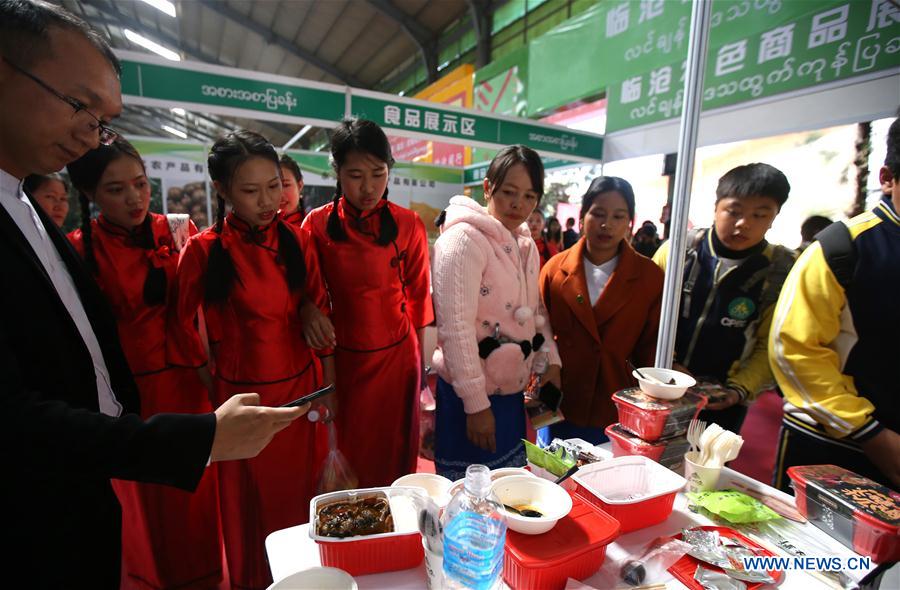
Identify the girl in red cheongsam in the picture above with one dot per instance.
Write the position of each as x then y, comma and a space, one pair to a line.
374, 258
253, 273
133, 255
292, 191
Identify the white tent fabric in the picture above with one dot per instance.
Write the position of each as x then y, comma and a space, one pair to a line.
849, 101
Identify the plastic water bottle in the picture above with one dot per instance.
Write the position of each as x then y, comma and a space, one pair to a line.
474, 534
538, 368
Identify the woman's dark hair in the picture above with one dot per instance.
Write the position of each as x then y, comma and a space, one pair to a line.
33, 182
607, 184
509, 157
554, 235
366, 137
85, 174
291, 164
225, 157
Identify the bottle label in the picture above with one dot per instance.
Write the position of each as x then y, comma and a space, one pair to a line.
473, 550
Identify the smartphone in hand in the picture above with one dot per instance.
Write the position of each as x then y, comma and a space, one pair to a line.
310, 397
551, 396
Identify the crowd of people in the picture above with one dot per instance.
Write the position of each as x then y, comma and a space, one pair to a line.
127, 348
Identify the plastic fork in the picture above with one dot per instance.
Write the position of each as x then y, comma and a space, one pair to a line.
706, 442
695, 429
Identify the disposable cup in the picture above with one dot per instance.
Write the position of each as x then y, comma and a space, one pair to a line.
699, 477
434, 569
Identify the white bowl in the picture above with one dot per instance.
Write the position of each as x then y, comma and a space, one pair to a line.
456, 486
436, 486
496, 474
508, 471
317, 578
661, 389
545, 496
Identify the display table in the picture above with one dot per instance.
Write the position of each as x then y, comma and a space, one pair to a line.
291, 550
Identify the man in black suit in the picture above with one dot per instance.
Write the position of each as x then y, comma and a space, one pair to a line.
68, 403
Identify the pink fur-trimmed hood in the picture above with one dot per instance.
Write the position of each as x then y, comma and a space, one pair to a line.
485, 276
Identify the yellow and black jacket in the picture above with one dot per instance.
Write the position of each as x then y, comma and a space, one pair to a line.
725, 313
834, 351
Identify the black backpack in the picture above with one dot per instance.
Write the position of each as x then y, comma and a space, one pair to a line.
840, 252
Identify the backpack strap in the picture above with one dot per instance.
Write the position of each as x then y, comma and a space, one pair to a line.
694, 239
840, 252
179, 226
780, 264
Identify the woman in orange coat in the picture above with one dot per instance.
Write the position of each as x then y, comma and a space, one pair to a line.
603, 300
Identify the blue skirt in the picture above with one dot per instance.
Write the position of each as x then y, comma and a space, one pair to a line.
453, 452
565, 430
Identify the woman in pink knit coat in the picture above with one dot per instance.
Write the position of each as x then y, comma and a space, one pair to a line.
489, 319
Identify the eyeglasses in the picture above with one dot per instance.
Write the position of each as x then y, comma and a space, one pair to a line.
107, 135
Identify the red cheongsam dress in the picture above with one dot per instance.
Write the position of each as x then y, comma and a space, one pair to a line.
260, 349
160, 525
380, 296
295, 218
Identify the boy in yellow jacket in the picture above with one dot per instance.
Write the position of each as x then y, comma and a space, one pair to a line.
833, 344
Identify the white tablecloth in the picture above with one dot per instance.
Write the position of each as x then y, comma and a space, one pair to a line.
292, 550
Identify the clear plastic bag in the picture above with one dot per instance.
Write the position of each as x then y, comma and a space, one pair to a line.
647, 566
336, 473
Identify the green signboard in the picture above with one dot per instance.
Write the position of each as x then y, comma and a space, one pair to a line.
163, 82
475, 174
758, 48
472, 128
274, 97
567, 63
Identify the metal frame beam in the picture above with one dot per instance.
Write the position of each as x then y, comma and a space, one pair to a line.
152, 125
481, 13
122, 20
167, 118
273, 38
423, 38
454, 37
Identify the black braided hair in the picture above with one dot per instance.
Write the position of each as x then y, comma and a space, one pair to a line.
156, 283
361, 136
226, 155
220, 270
334, 227
389, 229
85, 174
292, 256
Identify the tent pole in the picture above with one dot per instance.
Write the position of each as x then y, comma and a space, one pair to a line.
684, 173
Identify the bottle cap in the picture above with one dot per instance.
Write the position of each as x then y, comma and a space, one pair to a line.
478, 480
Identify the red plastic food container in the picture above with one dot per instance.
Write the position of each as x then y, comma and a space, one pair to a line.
858, 512
635, 490
368, 554
574, 548
668, 452
651, 418
685, 568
